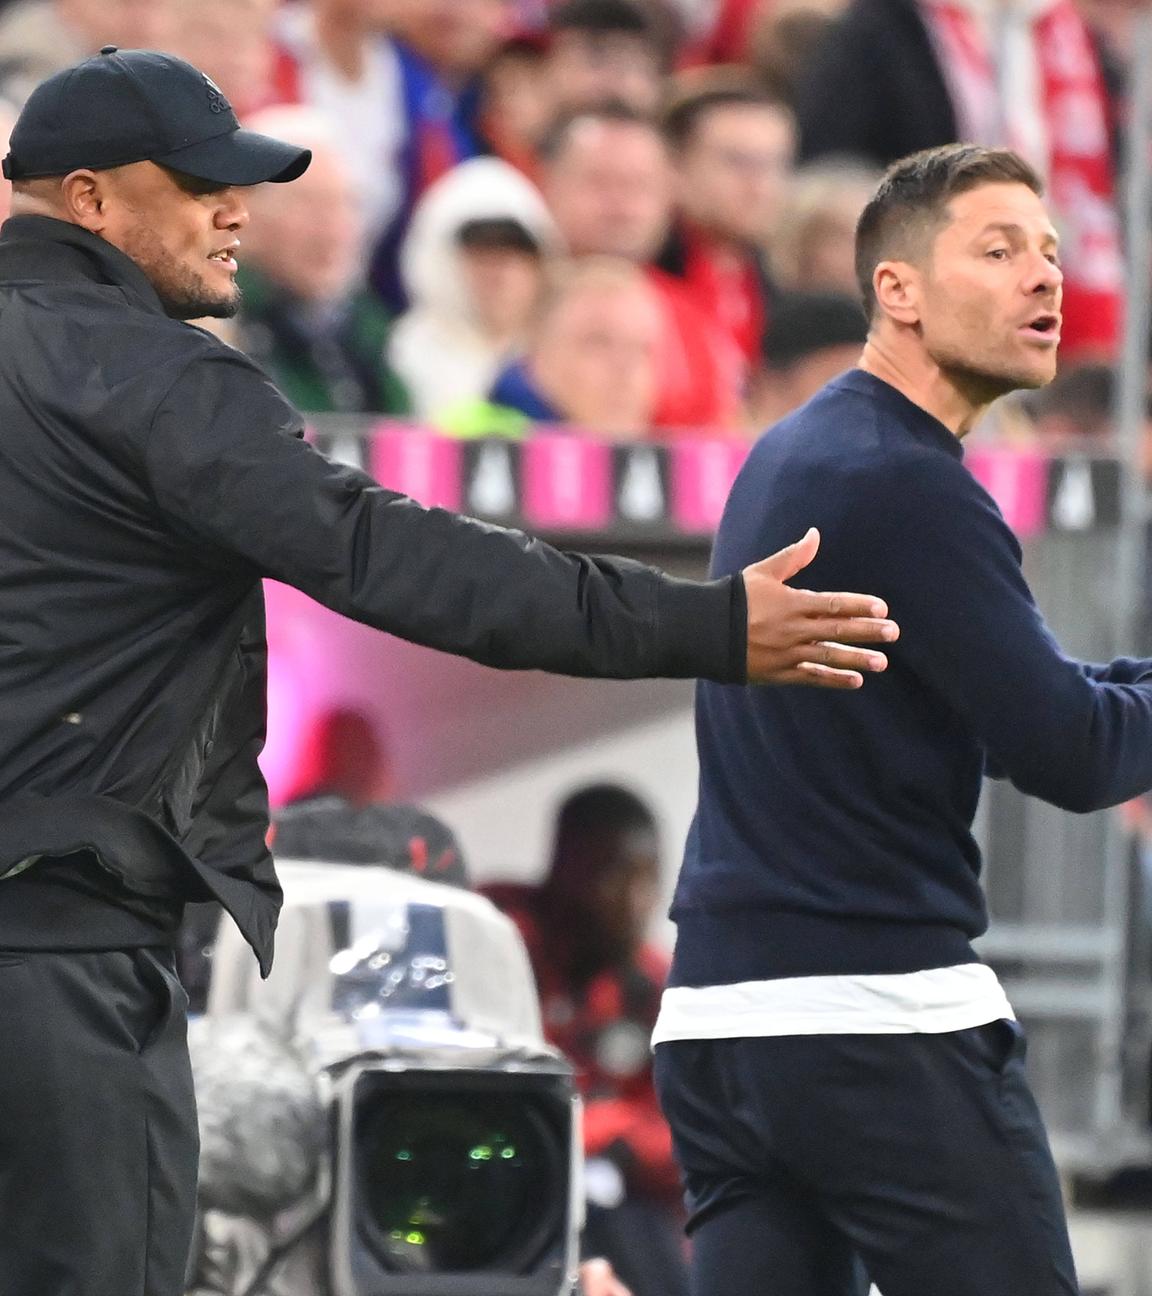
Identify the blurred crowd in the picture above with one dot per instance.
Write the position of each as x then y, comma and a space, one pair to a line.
631, 217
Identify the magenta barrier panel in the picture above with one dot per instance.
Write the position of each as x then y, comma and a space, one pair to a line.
702, 475
567, 482
1017, 479
417, 463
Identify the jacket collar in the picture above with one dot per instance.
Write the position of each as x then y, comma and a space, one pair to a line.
42, 249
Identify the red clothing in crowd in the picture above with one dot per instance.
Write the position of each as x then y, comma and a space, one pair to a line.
729, 291
702, 370
604, 1027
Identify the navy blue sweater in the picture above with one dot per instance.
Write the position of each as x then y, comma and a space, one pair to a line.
833, 833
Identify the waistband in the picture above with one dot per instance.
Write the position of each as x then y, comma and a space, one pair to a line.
726, 946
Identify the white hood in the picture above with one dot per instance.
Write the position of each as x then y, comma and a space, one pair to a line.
482, 189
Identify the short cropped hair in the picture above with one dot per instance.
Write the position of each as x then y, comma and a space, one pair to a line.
601, 18
683, 117
912, 200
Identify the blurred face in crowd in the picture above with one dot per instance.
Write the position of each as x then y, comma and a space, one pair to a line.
306, 236
457, 37
596, 354
503, 286
587, 69
624, 890
516, 97
183, 233
610, 189
984, 304
230, 40
131, 24
733, 170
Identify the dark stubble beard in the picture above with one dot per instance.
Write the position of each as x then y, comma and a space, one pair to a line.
182, 292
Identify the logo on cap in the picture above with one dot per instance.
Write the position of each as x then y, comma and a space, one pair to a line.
216, 100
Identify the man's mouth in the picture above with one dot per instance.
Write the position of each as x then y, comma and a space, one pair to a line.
225, 256
1046, 325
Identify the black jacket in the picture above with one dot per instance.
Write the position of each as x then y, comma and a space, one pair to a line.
874, 88
150, 476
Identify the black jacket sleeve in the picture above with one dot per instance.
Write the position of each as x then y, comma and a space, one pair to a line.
229, 474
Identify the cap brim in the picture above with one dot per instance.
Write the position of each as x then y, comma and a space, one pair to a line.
240, 157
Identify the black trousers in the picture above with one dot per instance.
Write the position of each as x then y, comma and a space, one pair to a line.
919, 1160
98, 1141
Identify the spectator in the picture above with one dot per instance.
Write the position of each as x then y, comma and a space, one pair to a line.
814, 245
895, 76
1076, 411
732, 147
603, 51
39, 37
473, 266
232, 42
336, 56
442, 46
593, 360
608, 182
813, 337
306, 318
348, 758
783, 40
517, 103
726, 38
600, 983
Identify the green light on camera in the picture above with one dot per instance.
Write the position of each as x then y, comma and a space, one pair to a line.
416, 1239
404, 1155
508, 1153
481, 1153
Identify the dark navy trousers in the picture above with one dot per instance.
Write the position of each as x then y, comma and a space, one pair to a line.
813, 1163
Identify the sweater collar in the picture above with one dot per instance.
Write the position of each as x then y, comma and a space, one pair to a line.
914, 416
43, 249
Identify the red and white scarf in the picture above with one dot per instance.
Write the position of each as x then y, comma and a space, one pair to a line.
1054, 111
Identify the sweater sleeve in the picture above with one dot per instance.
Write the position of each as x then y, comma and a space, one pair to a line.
233, 480
1077, 736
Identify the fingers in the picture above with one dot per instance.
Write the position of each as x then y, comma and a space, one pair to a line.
859, 630
816, 604
785, 564
824, 665
824, 677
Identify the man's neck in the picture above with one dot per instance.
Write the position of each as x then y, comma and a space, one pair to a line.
915, 375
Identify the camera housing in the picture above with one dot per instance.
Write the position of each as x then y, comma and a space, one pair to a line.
453, 1149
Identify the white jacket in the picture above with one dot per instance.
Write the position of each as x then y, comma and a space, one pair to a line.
436, 346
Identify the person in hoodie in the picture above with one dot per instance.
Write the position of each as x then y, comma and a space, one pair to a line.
473, 264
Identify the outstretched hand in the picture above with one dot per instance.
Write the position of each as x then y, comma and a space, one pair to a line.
801, 637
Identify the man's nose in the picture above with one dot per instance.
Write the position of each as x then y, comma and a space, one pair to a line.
1047, 276
233, 210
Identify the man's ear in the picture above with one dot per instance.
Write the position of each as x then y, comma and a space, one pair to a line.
84, 195
897, 285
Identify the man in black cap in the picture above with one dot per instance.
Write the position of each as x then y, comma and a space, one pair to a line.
149, 478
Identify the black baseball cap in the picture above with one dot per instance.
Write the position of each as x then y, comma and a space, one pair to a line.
123, 106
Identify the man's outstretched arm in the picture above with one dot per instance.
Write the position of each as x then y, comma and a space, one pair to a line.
231, 477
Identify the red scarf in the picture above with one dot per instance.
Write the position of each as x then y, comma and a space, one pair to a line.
1058, 119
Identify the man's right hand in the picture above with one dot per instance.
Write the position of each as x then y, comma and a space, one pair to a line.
802, 637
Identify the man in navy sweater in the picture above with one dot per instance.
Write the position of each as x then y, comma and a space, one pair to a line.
843, 1077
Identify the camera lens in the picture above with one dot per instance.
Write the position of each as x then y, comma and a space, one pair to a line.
458, 1182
